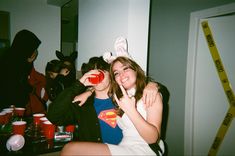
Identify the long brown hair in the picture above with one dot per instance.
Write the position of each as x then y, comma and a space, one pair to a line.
140, 79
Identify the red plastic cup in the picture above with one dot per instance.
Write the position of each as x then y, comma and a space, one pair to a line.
19, 111
36, 118
42, 119
8, 109
48, 130
70, 128
3, 118
9, 113
18, 127
97, 78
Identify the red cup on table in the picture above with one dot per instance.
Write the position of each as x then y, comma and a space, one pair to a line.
48, 129
9, 113
36, 118
18, 127
3, 118
19, 111
8, 109
97, 78
70, 128
43, 119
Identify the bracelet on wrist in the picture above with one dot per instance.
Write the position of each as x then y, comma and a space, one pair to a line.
91, 90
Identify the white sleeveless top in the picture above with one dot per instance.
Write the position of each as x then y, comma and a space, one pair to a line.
132, 143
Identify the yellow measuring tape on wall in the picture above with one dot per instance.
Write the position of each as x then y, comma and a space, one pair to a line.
227, 89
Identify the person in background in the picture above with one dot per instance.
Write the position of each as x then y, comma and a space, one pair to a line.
96, 118
53, 86
57, 78
17, 63
38, 97
140, 125
69, 64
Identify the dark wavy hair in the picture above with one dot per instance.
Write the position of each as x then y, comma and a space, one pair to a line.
53, 66
95, 63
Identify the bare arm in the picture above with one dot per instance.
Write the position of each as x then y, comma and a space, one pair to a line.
150, 128
81, 98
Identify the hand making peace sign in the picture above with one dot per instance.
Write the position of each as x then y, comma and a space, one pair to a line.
126, 103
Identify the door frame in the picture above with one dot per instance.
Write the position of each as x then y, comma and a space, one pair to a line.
191, 72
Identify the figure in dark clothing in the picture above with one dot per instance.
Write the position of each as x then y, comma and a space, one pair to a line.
91, 128
69, 63
55, 81
17, 63
60, 74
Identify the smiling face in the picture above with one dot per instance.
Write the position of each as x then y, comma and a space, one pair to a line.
126, 72
124, 75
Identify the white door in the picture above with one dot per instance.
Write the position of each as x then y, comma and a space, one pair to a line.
207, 101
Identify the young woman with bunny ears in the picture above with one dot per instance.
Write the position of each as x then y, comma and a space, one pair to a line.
140, 125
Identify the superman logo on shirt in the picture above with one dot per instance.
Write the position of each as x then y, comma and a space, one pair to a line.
109, 116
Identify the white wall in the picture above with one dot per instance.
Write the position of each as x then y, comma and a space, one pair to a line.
40, 18
102, 21
138, 31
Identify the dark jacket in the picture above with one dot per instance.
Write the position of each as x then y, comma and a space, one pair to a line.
55, 86
63, 112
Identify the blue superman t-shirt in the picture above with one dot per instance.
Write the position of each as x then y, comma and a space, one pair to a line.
110, 131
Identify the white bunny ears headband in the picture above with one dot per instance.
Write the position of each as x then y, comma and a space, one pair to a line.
121, 49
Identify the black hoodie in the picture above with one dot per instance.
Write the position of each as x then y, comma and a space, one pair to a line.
15, 69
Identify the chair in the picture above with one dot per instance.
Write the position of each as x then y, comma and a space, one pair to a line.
166, 95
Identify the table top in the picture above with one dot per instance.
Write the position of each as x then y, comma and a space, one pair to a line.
35, 143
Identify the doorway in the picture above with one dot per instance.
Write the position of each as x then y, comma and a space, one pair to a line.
4, 30
206, 102
69, 27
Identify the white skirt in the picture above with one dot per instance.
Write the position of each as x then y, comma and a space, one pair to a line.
135, 149
130, 150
